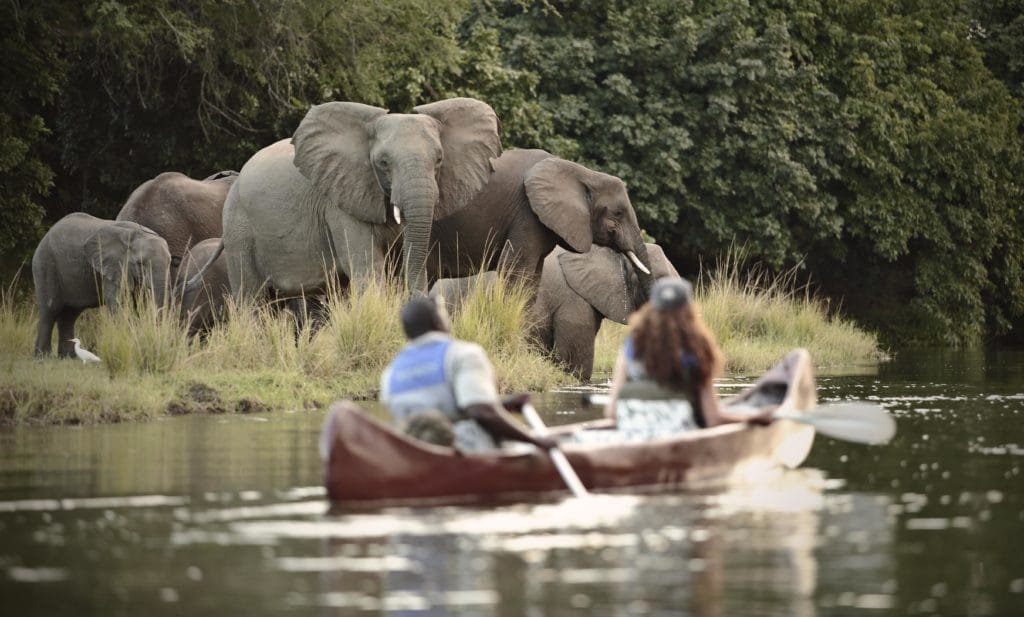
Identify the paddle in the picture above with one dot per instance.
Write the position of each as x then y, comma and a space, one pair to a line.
557, 456
855, 421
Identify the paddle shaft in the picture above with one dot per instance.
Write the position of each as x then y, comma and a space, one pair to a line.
855, 421
557, 456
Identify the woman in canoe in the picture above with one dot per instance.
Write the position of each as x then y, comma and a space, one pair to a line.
663, 381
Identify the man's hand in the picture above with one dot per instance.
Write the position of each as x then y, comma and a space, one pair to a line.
515, 402
764, 418
544, 442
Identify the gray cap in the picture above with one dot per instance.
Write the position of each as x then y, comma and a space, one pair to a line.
671, 292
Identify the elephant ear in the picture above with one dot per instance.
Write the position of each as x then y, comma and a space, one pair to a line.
561, 200
660, 265
105, 251
332, 150
469, 139
600, 278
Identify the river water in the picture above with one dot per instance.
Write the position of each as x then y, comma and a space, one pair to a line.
225, 515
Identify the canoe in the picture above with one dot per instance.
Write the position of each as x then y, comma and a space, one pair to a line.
370, 464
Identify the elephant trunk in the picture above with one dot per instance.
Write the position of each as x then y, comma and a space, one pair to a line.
416, 200
159, 279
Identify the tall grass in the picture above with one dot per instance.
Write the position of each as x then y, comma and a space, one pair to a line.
756, 318
17, 322
495, 314
259, 358
141, 337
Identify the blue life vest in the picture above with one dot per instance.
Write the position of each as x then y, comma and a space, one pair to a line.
417, 381
635, 369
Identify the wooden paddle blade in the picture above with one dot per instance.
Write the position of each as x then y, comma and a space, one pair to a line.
854, 421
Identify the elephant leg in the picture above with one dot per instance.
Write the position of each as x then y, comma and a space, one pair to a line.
66, 331
299, 309
195, 311
574, 343
44, 332
359, 249
522, 268
317, 312
243, 276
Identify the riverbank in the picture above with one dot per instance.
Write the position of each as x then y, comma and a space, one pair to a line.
256, 362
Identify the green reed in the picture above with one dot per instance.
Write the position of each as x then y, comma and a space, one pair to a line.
757, 317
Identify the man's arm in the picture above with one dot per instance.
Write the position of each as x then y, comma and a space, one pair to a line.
500, 425
476, 396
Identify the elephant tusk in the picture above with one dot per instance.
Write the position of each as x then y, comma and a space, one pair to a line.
398, 215
636, 262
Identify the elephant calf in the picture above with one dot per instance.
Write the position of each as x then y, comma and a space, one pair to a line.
81, 263
203, 304
577, 291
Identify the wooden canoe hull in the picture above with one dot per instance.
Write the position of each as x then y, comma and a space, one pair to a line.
371, 464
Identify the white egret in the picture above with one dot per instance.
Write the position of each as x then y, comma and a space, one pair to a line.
83, 354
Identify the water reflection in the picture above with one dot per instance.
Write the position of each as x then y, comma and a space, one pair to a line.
697, 554
226, 514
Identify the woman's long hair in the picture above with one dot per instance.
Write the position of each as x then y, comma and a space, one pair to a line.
660, 339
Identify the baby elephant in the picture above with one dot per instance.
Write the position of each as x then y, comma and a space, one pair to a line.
580, 290
81, 263
577, 292
203, 305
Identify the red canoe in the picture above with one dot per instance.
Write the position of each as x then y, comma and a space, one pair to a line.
372, 465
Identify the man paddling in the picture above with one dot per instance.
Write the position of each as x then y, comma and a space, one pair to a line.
440, 389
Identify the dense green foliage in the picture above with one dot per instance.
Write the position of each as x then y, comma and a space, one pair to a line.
877, 144
865, 139
106, 94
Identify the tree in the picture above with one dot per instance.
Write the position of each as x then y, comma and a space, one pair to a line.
34, 70
930, 192
865, 139
118, 91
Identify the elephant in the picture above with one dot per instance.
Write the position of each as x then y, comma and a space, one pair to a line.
577, 291
352, 180
181, 210
203, 305
533, 202
82, 261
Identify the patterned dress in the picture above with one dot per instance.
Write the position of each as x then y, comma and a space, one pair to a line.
645, 410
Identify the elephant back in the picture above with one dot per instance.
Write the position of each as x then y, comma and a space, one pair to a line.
180, 209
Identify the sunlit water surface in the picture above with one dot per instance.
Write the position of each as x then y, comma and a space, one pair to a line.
225, 515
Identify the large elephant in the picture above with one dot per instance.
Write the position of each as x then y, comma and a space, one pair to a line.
533, 202
204, 304
81, 263
181, 210
579, 290
351, 181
